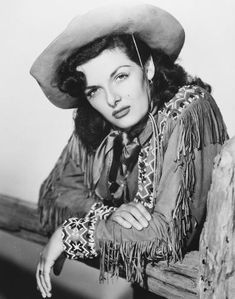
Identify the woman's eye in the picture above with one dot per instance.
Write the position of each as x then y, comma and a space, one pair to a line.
121, 76
90, 94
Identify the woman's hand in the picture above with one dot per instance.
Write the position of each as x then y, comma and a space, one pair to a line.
132, 215
48, 256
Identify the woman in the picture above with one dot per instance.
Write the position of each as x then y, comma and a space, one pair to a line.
131, 185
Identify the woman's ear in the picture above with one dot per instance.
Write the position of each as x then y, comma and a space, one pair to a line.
149, 68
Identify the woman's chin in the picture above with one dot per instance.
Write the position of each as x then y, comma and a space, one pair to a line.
126, 123
131, 125
126, 126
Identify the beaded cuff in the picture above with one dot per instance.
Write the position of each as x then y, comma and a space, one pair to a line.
78, 234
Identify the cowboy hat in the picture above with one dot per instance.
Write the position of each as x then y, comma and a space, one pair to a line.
156, 27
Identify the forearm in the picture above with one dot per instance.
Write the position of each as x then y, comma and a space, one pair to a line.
79, 233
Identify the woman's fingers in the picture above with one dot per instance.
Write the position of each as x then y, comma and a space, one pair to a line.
139, 212
43, 278
49, 255
144, 211
47, 279
127, 220
132, 215
43, 284
122, 221
40, 285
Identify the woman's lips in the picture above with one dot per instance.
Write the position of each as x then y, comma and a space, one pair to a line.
121, 112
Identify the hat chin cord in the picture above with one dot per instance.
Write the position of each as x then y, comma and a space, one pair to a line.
149, 82
137, 51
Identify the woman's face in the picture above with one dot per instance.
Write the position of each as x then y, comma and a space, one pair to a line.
116, 88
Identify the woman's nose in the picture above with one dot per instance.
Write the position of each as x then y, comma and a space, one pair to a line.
113, 99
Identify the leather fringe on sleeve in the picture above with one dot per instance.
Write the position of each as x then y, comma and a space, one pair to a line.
200, 124
131, 257
52, 214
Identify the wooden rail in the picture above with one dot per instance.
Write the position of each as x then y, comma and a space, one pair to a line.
21, 219
179, 280
208, 274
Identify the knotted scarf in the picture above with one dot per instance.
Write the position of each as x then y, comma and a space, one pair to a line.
120, 152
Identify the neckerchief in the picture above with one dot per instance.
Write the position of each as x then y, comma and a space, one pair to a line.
129, 156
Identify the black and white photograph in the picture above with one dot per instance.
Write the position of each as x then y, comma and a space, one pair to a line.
117, 156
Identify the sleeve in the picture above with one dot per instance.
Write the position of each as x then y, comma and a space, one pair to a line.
180, 206
78, 234
67, 191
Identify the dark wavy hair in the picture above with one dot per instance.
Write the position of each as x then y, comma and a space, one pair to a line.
90, 125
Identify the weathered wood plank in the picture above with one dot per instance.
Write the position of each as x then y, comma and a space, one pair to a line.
217, 245
178, 280
21, 219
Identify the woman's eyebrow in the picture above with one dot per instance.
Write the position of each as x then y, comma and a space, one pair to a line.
111, 75
116, 70
90, 87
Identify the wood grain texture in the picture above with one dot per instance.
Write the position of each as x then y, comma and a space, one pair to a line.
21, 219
176, 280
217, 245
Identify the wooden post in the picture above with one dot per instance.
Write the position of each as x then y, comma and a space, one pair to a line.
217, 244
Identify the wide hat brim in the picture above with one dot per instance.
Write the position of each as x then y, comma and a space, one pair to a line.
156, 27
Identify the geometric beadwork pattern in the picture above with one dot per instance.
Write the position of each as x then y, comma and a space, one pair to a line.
146, 162
78, 234
173, 108
146, 159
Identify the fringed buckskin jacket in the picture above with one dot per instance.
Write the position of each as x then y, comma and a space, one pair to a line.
170, 177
